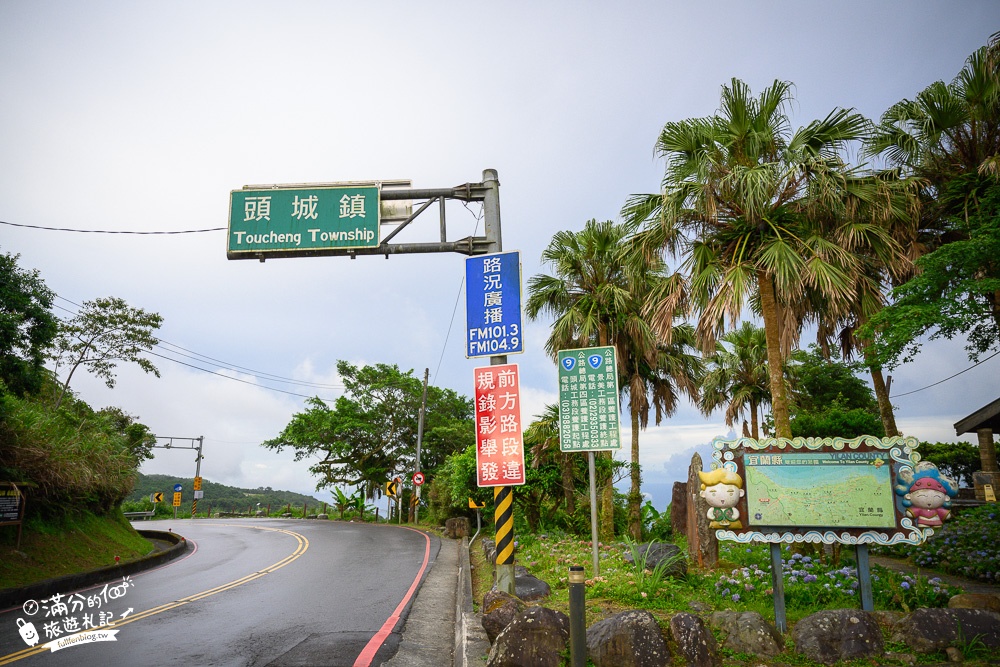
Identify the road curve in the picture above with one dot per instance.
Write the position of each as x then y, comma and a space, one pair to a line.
252, 592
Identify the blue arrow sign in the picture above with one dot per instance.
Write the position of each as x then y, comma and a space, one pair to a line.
177, 488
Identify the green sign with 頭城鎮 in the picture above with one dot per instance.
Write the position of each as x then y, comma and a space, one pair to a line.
287, 221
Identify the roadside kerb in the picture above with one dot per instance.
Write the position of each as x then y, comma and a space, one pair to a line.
471, 643
12, 597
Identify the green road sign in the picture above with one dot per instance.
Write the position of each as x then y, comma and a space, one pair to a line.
588, 400
291, 220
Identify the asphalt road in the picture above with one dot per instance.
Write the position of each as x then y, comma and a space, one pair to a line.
251, 592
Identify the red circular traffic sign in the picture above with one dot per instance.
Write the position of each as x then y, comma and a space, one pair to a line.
418, 478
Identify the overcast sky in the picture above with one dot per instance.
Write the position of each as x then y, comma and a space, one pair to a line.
142, 116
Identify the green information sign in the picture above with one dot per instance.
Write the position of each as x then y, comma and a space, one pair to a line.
588, 400
289, 220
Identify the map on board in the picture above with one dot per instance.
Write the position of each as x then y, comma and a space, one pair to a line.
831, 489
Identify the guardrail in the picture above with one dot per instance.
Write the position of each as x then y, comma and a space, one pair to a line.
140, 515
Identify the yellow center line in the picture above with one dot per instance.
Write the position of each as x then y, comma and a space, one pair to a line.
303, 545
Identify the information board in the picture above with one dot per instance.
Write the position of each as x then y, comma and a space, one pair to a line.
588, 400
852, 491
11, 504
828, 489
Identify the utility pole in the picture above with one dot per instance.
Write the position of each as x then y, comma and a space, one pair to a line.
420, 439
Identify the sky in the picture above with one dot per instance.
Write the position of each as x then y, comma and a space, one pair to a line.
142, 116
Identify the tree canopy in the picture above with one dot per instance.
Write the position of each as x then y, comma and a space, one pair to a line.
370, 433
27, 326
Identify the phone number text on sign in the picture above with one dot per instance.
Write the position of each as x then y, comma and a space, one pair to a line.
499, 445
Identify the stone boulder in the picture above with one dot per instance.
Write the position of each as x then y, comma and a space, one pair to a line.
747, 632
537, 637
456, 527
499, 609
930, 630
987, 601
529, 588
838, 634
489, 550
661, 552
694, 641
629, 639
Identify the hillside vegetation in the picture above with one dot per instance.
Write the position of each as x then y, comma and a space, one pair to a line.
220, 497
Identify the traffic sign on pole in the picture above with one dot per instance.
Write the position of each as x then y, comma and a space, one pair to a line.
493, 305
392, 488
177, 499
197, 483
302, 219
588, 400
499, 445
418, 478
178, 488
156, 497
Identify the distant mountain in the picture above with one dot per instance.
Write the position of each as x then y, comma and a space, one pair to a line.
219, 496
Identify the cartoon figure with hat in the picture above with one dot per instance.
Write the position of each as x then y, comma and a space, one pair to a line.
722, 489
927, 495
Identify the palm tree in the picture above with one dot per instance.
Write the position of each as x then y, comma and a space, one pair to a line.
597, 296
655, 377
761, 214
542, 436
737, 377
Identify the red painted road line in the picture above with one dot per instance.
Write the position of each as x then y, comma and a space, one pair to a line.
367, 654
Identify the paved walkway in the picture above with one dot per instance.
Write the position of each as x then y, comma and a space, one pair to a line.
967, 585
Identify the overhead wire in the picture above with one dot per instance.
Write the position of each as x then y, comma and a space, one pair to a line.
111, 231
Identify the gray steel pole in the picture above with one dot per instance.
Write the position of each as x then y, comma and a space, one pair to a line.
491, 219
577, 617
420, 438
593, 512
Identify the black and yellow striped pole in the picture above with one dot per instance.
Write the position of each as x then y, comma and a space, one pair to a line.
503, 514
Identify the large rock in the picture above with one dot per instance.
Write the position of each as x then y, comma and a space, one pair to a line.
838, 634
661, 552
499, 609
529, 588
987, 601
747, 632
930, 630
629, 639
694, 641
456, 527
538, 637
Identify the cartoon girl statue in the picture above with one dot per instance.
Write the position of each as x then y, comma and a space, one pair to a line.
927, 495
722, 489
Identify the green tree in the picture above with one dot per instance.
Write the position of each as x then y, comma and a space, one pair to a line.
761, 213
104, 332
541, 438
737, 377
829, 399
27, 326
597, 296
948, 138
370, 435
958, 460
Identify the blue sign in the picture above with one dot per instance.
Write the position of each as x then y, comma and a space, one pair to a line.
493, 305
177, 488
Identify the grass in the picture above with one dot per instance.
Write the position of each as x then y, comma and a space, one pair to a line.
74, 544
741, 582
